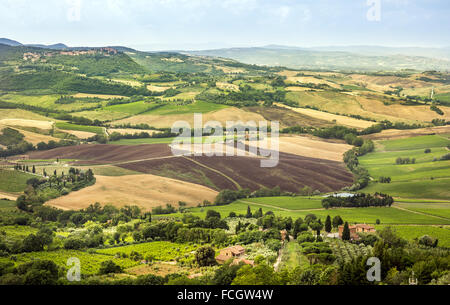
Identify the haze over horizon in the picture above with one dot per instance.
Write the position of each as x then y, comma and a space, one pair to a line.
209, 24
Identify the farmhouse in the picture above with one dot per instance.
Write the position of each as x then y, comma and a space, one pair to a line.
358, 228
230, 252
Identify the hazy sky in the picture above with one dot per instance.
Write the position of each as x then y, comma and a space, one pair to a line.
201, 24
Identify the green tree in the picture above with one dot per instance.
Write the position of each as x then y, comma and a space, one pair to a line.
205, 256
259, 275
249, 212
328, 224
346, 232
337, 221
108, 267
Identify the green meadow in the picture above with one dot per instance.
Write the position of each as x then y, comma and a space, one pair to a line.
413, 232
386, 215
420, 142
440, 209
13, 181
131, 108
69, 126
427, 178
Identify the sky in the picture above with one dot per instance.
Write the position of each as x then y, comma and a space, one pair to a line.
206, 24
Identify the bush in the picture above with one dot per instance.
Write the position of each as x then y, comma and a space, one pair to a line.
108, 267
74, 243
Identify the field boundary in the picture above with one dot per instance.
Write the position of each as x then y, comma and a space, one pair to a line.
214, 170
420, 213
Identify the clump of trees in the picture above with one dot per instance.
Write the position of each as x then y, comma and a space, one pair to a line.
358, 201
384, 179
406, 160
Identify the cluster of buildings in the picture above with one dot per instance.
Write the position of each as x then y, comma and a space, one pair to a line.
355, 229
33, 57
236, 253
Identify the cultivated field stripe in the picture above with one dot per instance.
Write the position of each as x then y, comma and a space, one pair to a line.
279, 208
420, 213
216, 171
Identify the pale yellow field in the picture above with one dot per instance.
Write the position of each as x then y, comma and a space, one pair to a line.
398, 134
291, 77
223, 115
32, 137
384, 83
145, 191
230, 70
227, 86
79, 134
157, 88
8, 196
46, 125
133, 83
312, 147
298, 89
418, 113
340, 119
102, 96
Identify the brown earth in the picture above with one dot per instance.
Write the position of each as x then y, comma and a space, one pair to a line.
292, 173
145, 191
105, 154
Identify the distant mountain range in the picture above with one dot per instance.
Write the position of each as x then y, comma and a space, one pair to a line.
353, 58
13, 43
343, 58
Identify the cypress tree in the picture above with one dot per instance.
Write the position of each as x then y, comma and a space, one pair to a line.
346, 232
249, 212
328, 224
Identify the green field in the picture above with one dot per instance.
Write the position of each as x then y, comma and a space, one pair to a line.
48, 101
131, 108
292, 257
158, 250
69, 126
438, 209
13, 181
18, 232
90, 263
290, 203
435, 189
7, 205
413, 143
412, 232
352, 215
427, 178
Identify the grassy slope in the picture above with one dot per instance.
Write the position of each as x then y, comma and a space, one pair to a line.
412, 232
13, 181
69, 126
352, 215
425, 179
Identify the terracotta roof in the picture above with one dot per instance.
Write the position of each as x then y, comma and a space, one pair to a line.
222, 257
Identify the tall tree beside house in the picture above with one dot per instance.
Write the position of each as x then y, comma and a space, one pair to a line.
346, 232
249, 212
328, 224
